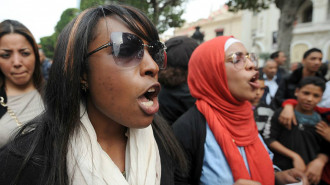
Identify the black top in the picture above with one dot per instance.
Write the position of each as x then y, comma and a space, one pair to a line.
190, 130
173, 102
33, 173
301, 139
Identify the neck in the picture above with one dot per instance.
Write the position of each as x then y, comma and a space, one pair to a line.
110, 135
270, 78
307, 73
15, 90
306, 112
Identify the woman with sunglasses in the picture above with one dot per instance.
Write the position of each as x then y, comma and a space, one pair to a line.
20, 78
101, 100
219, 133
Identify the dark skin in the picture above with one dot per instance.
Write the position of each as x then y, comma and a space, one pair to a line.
114, 91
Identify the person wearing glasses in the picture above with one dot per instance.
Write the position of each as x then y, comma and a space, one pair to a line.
20, 78
99, 126
219, 133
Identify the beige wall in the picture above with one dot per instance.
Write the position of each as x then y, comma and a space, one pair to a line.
256, 30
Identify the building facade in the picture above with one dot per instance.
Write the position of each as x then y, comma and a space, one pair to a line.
258, 31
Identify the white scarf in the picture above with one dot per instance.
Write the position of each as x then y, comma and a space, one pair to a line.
88, 164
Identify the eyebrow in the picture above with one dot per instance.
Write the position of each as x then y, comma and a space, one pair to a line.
9, 50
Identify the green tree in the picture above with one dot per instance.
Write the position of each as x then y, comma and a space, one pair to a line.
288, 13
48, 43
163, 13
66, 17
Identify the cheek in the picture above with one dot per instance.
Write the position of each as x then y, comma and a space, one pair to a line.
5, 68
30, 64
234, 80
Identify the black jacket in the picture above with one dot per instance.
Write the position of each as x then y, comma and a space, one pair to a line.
301, 139
190, 130
173, 102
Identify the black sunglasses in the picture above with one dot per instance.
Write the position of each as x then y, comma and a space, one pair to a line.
128, 50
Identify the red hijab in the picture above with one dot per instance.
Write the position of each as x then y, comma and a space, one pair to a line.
231, 121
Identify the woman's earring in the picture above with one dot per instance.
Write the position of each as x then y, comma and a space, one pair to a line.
84, 86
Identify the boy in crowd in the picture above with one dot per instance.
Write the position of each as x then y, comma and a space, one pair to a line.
262, 112
301, 147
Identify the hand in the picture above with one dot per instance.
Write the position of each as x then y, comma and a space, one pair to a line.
324, 130
298, 163
246, 182
287, 117
290, 176
314, 171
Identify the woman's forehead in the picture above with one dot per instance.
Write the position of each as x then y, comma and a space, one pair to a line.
236, 47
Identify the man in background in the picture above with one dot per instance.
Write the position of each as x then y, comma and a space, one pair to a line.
45, 64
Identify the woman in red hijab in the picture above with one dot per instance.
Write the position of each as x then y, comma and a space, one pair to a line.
219, 133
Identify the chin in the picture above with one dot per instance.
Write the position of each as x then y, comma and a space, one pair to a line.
143, 123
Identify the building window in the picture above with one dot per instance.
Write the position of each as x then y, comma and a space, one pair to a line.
219, 32
308, 14
328, 9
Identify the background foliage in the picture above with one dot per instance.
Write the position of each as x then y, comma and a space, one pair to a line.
163, 13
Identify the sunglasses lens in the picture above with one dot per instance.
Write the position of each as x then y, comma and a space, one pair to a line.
157, 51
127, 49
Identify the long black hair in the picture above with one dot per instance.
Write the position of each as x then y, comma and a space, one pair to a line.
64, 93
13, 26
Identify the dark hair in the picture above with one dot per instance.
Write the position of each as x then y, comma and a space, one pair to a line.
275, 54
12, 26
179, 50
317, 81
64, 92
308, 52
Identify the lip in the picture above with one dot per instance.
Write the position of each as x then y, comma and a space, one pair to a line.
19, 74
254, 84
149, 105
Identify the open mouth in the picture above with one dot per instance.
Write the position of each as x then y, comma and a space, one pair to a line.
150, 94
149, 101
253, 81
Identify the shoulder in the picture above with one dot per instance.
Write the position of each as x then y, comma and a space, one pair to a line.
191, 121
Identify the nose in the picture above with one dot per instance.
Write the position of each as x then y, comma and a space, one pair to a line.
309, 98
249, 65
148, 65
17, 60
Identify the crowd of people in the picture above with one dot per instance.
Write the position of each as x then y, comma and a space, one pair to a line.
117, 106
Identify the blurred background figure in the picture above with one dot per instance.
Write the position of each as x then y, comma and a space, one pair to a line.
294, 66
198, 35
312, 60
262, 112
45, 64
175, 97
270, 80
20, 78
280, 58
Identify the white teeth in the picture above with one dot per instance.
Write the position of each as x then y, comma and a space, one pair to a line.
152, 89
148, 103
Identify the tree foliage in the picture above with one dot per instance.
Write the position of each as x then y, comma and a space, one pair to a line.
48, 43
254, 5
163, 13
288, 14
